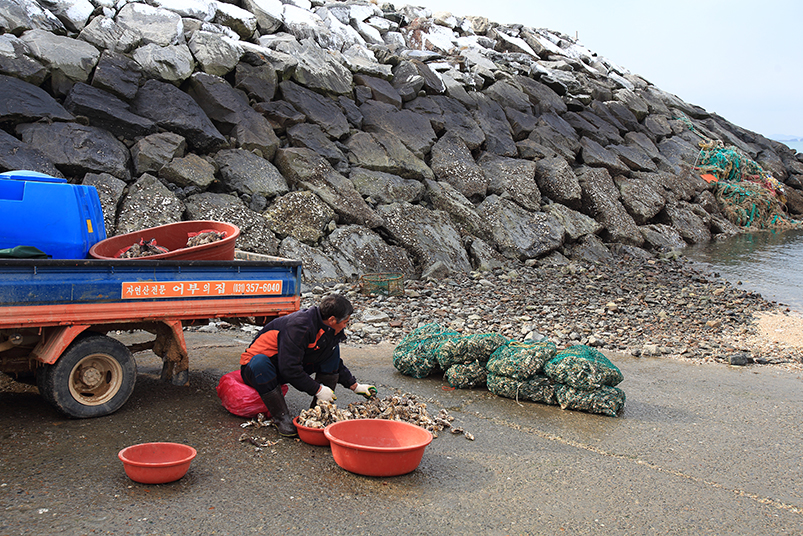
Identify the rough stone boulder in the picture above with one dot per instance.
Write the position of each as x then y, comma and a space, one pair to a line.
15, 154
687, 222
304, 169
107, 35
412, 129
110, 191
443, 196
21, 102
491, 118
519, 233
361, 251
255, 232
106, 111
117, 74
385, 188
14, 61
189, 171
152, 153
317, 69
601, 201
215, 53
661, 237
159, 26
595, 155
76, 149
300, 214
427, 234
512, 177
557, 181
381, 151
172, 64
576, 224
246, 173
640, 198
148, 204
312, 137
230, 111
68, 60
318, 267
257, 78
452, 162
320, 110
177, 112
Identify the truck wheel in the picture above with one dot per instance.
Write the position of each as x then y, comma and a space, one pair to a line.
93, 377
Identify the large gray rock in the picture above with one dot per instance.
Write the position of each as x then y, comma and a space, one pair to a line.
576, 224
304, 169
635, 158
601, 201
21, 102
687, 222
449, 114
519, 233
15, 154
148, 204
302, 215
662, 237
632, 102
595, 155
246, 173
640, 198
542, 98
318, 268
319, 109
172, 63
512, 177
156, 25
381, 90
229, 110
107, 35
117, 74
452, 162
175, 111
110, 191
317, 69
674, 187
258, 79
69, 60
190, 170
550, 138
381, 151
492, 120
268, 14
242, 22
508, 94
14, 61
152, 153
412, 129
361, 251
443, 196
483, 257
385, 188
255, 233
557, 181
17, 16
427, 235
313, 138
216, 54
78, 149
588, 249
106, 111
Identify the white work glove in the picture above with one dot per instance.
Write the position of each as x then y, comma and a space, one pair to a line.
365, 390
325, 394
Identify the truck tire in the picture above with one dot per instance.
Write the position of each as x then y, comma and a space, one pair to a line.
93, 377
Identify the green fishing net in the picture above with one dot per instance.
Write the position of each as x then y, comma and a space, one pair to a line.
465, 376
538, 389
582, 367
469, 348
520, 360
415, 355
605, 400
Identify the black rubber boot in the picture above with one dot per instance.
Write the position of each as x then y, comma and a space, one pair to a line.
329, 380
277, 406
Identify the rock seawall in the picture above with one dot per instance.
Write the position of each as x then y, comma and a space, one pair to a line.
361, 137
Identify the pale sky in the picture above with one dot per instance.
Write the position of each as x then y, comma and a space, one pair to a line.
740, 59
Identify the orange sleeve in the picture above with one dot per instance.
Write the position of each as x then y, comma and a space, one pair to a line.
267, 344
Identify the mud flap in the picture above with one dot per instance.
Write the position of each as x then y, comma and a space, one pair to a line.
171, 347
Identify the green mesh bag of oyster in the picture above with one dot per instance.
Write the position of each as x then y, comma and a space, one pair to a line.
466, 375
521, 360
582, 367
469, 348
605, 401
415, 355
538, 389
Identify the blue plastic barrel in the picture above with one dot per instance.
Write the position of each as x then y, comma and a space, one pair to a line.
63, 220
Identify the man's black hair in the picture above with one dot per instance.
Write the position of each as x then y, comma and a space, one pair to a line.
336, 305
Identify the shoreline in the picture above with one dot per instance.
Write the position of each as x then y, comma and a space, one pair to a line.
657, 308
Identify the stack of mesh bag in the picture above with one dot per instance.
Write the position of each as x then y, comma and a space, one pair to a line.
516, 371
578, 378
585, 381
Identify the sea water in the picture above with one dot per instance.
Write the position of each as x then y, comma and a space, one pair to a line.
767, 262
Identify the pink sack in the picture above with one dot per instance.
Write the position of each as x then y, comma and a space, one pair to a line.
239, 398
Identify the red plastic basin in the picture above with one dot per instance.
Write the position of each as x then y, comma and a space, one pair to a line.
156, 463
313, 436
377, 447
173, 236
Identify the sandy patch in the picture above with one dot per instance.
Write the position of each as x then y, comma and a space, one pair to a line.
785, 329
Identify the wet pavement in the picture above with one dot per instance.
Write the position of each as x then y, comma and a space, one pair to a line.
698, 449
